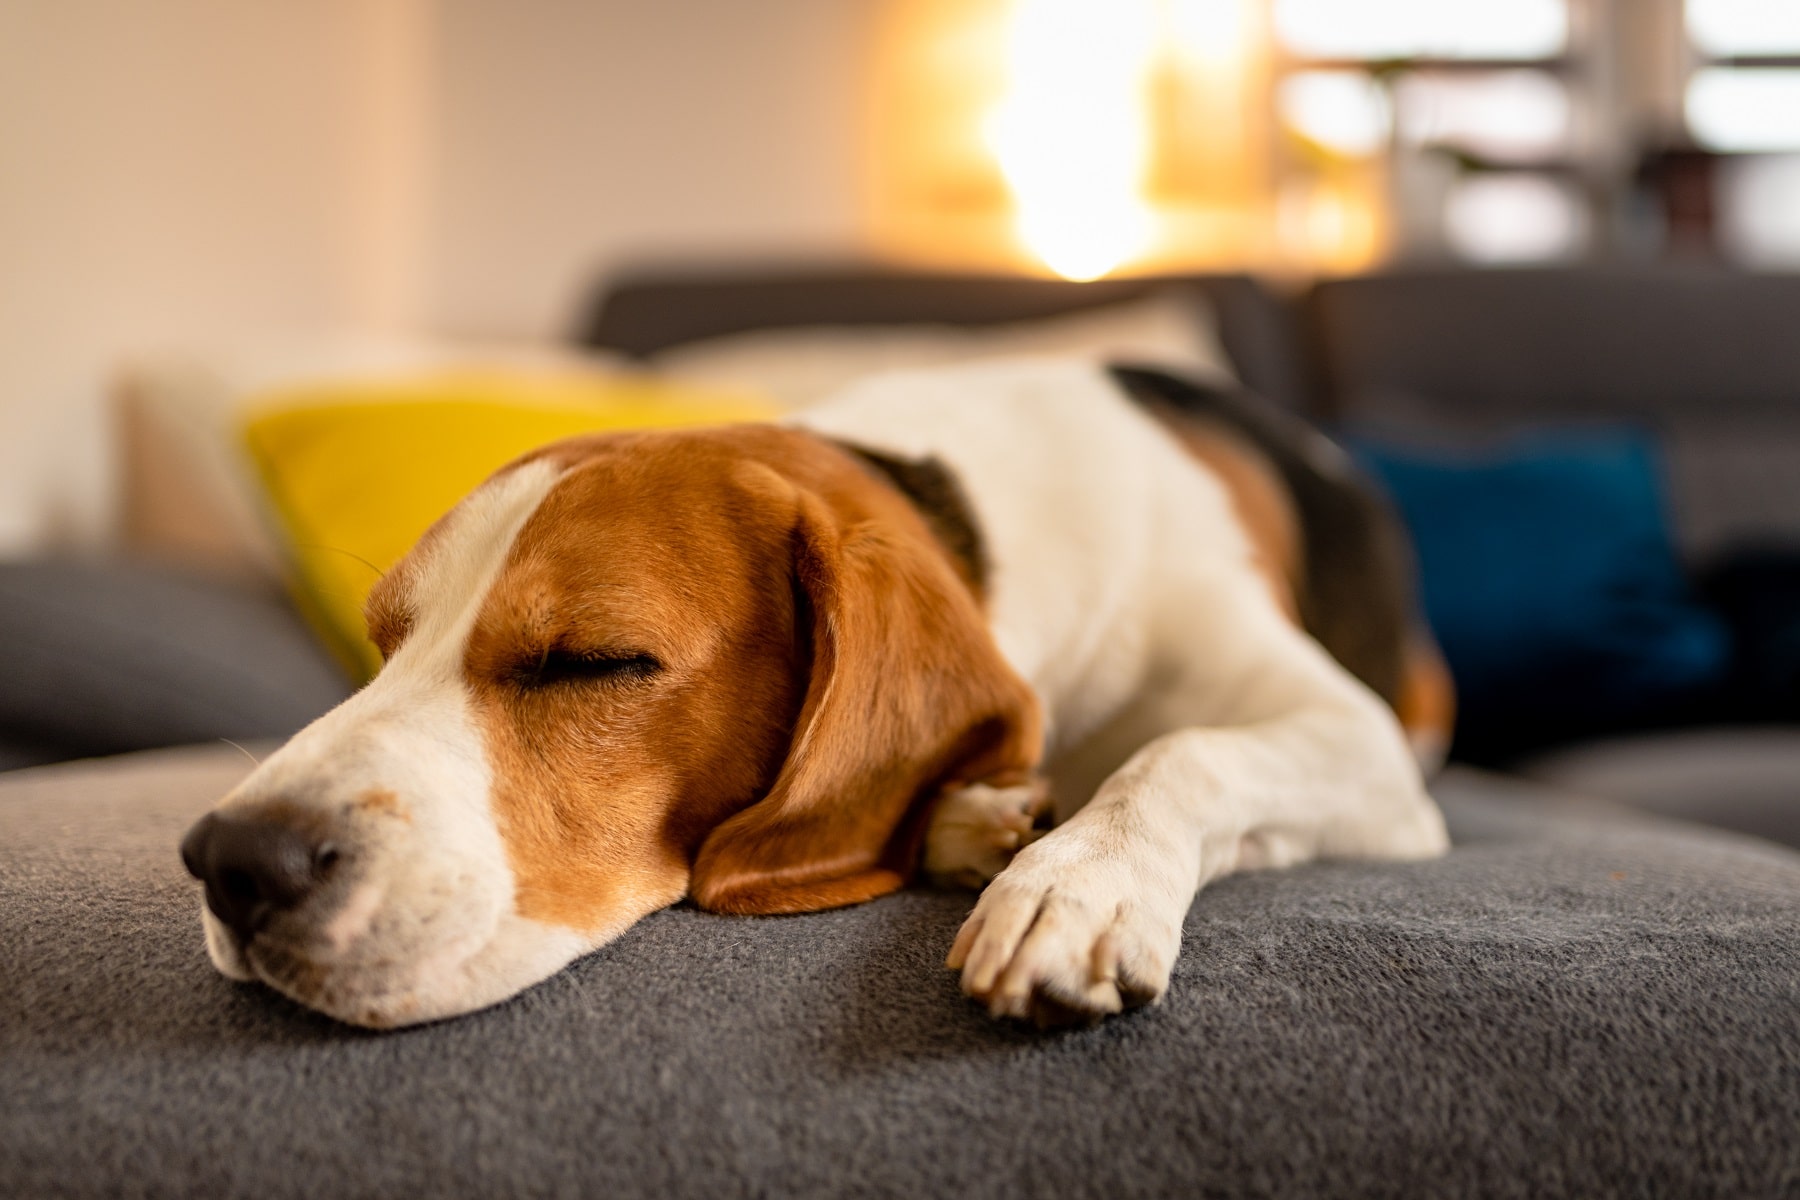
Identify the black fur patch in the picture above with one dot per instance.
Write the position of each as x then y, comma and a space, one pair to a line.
935, 492
1356, 595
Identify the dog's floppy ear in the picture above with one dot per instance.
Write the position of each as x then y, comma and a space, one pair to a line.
907, 691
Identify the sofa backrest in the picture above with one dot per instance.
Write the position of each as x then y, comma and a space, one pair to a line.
643, 312
1709, 359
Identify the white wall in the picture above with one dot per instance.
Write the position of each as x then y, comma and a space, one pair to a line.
575, 135
175, 172
199, 172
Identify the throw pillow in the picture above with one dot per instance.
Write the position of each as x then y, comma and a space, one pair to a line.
1550, 578
353, 473
1755, 587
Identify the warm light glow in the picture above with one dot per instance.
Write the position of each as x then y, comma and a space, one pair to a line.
1382, 29
1071, 135
1211, 33
1748, 27
1748, 110
1330, 226
1083, 137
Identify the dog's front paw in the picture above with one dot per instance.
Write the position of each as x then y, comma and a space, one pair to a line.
975, 830
1066, 936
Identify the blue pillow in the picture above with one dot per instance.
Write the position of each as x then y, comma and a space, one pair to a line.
1550, 577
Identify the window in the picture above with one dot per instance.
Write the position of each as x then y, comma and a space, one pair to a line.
1744, 28
1466, 109
1745, 109
1743, 100
1378, 30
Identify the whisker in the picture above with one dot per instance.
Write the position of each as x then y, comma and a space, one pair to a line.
346, 553
254, 761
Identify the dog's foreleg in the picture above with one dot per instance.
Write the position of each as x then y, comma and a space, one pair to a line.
1088, 919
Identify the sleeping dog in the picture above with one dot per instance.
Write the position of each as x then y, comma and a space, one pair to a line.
781, 668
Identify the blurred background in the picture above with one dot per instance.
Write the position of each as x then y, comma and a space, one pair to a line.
199, 173
241, 244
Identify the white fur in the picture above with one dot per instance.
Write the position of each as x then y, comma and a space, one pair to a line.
1193, 729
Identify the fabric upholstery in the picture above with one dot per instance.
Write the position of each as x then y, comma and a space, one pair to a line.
1550, 580
1706, 357
104, 657
1745, 778
1573, 1003
1756, 589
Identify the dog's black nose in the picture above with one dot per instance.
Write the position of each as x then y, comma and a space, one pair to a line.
253, 867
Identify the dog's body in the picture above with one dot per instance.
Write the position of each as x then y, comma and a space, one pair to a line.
773, 672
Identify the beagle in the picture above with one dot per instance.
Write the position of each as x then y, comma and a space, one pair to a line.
781, 668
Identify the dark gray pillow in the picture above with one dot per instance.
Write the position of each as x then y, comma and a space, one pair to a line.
103, 657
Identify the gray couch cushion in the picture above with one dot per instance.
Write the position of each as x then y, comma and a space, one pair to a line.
1747, 779
1569, 1004
103, 657
1707, 357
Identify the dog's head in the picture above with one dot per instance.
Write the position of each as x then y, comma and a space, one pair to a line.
726, 664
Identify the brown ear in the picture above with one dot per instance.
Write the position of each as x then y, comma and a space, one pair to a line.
907, 692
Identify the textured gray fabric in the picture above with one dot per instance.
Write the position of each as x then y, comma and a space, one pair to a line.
1572, 1003
1707, 358
104, 657
1747, 779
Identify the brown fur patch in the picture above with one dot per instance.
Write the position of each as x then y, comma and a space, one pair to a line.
818, 669
384, 802
1427, 701
907, 692
1261, 501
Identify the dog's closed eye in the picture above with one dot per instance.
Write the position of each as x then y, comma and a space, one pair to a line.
558, 667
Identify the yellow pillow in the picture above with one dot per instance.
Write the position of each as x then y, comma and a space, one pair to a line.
355, 472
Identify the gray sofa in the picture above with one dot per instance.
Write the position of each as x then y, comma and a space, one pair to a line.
1574, 1002
1584, 998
